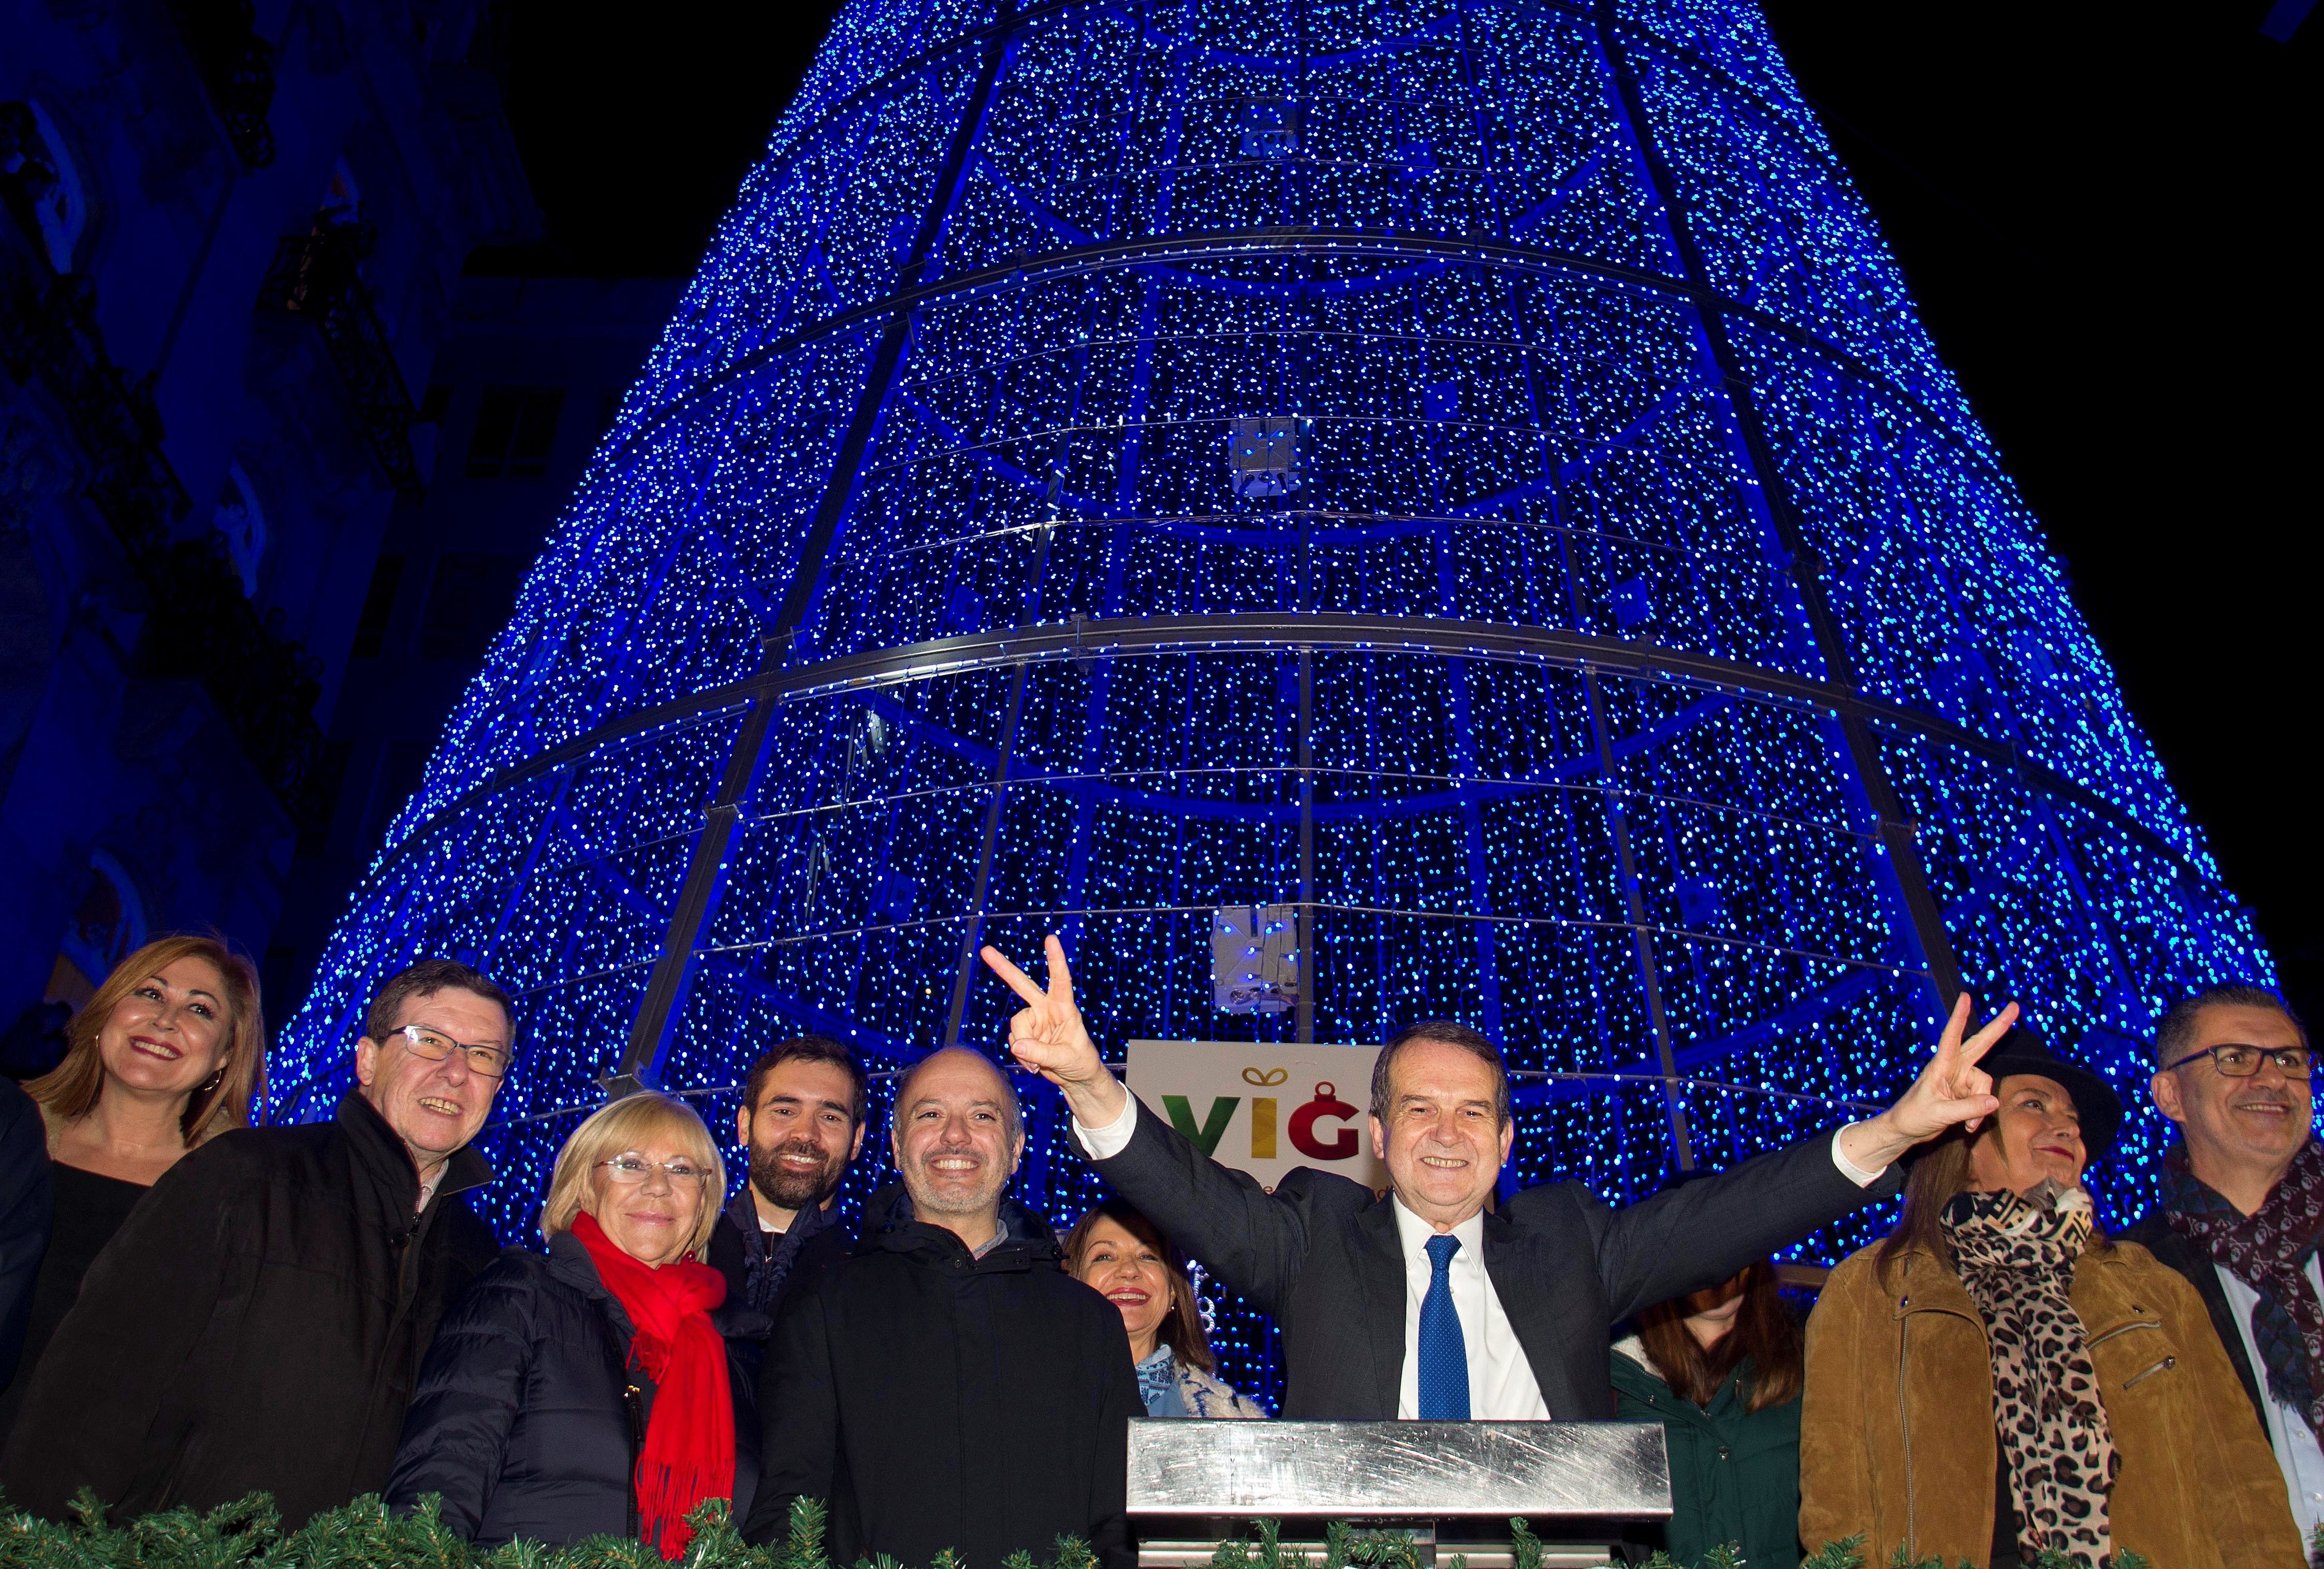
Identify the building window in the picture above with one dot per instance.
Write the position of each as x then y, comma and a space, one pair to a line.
378, 605
44, 179
330, 778
239, 521
468, 601
515, 428
342, 196
107, 926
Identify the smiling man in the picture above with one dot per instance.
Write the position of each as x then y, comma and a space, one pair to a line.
2243, 1209
802, 1121
949, 1386
1423, 1305
257, 1322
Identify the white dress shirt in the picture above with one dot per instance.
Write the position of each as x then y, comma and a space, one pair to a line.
2295, 1446
1501, 1386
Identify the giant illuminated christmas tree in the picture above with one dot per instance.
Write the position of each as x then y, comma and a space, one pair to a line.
1464, 474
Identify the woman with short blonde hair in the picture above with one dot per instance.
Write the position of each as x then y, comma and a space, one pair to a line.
629, 1125
167, 1055
605, 1387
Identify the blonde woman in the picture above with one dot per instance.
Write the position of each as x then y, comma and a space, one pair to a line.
166, 1057
1117, 1253
604, 1386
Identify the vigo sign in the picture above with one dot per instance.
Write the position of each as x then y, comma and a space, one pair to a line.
1264, 1109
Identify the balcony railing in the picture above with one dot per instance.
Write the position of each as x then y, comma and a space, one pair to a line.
315, 275
237, 69
198, 624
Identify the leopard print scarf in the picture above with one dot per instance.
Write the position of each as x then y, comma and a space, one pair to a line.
2016, 1256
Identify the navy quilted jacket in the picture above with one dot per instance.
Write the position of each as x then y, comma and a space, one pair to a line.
521, 1420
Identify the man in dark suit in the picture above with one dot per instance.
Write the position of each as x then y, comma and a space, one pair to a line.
1421, 1304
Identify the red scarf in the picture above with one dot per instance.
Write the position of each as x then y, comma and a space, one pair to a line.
688, 1454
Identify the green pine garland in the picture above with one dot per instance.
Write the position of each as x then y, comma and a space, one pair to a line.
249, 1535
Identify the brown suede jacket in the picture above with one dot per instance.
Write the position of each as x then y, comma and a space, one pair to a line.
1898, 1442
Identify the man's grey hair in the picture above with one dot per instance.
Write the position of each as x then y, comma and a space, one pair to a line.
1008, 1089
1446, 1032
2174, 1038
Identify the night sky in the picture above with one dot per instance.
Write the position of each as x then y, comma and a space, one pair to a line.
2108, 214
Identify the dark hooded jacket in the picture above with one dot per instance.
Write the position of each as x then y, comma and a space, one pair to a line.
938, 1399
522, 1419
255, 1324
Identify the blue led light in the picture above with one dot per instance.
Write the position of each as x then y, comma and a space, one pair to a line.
1075, 398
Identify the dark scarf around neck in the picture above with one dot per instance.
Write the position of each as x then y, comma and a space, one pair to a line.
768, 1256
2268, 1250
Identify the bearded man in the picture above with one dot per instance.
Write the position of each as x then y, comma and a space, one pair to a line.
802, 1121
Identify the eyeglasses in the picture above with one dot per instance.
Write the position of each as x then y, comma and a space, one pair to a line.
2241, 1062
630, 1171
487, 1061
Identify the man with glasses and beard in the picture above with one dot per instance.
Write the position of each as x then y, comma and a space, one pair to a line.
802, 1121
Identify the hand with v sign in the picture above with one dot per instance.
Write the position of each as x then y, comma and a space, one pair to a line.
1047, 1037
1951, 1089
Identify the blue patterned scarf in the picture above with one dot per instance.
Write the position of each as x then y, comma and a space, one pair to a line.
2267, 1251
1157, 1383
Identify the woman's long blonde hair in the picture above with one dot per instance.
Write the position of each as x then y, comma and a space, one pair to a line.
625, 1125
70, 1091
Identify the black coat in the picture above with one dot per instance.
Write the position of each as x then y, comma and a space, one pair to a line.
255, 1324
2193, 1260
521, 1420
25, 1205
1322, 1255
938, 1399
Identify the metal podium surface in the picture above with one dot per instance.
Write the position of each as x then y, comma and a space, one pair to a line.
1452, 1486
1598, 1471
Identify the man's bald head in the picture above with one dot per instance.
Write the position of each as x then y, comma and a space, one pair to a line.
958, 1136
962, 1058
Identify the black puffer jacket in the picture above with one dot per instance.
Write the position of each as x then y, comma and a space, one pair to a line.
938, 1399
255, 1325
522, 1420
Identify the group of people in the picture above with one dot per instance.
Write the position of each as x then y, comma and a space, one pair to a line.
194, 1309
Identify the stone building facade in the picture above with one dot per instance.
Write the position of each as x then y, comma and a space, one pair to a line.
232, 241
529, 376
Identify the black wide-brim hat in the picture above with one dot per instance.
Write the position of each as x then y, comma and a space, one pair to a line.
2022, 1051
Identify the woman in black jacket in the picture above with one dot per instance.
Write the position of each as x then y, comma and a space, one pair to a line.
604, 1388
165, 1056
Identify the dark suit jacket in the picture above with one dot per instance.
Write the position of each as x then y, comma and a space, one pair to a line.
1323, 1256
2154, 1234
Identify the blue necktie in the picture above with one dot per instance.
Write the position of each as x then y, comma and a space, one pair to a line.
1444, 1356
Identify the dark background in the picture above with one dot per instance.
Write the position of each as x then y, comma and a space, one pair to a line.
2107, 214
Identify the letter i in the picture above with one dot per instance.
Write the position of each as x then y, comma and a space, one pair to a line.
1262, 1127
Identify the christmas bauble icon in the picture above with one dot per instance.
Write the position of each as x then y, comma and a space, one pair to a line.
1325, 1107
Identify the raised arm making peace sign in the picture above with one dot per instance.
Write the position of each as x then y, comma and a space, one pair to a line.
1349, 1275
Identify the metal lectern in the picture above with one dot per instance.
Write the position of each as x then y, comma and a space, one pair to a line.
1453, 1485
